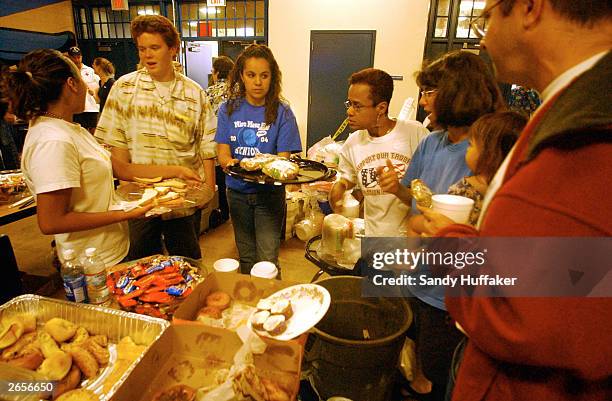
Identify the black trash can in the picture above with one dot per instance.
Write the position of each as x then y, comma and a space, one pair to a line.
355, 348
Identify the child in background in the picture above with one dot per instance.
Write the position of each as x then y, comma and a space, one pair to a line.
491, 138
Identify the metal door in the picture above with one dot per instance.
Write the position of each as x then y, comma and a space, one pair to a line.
334, 56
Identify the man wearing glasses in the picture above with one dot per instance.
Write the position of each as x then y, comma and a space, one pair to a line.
554, 183
377, 141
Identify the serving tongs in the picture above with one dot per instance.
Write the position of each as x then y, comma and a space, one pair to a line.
25, 202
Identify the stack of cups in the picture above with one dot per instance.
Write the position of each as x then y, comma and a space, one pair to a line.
264, 270
226, 265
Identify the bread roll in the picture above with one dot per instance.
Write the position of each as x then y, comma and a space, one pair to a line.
56, 366
11, 333
60, 329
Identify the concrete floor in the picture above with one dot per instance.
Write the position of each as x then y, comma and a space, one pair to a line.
34, 255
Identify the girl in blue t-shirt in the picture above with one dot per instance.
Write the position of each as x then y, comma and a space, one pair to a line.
255, 120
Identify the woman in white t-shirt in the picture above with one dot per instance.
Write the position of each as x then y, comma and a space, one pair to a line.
63, 165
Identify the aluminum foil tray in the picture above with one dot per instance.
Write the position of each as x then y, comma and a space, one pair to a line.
115, 324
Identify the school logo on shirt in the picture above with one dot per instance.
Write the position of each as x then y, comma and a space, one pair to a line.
248, 135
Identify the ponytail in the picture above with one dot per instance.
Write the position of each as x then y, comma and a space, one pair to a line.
37, 82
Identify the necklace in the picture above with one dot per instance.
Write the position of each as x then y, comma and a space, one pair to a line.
389, 130
52, 115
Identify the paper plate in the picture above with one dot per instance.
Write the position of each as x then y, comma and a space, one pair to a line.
196, 196
310, 303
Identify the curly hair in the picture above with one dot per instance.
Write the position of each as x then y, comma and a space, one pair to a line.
380, 83
466, 88
37, 82
495, 134
237, 90
155, 24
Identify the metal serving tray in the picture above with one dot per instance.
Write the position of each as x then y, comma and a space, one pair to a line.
115, 324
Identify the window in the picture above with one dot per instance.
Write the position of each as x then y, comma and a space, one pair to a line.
109, 24
469, 10
240, 19
442, 13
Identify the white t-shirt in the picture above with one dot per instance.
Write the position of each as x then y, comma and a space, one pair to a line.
59, 155
93, 83
361, 154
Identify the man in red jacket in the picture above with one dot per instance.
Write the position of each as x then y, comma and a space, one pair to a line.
555, 183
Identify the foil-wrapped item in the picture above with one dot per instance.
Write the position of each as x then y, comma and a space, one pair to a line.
421, 193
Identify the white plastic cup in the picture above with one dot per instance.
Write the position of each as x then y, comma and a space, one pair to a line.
457, 208
226, 265
264, 270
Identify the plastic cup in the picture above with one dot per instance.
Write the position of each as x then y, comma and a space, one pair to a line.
457, 208
264, 270
226, 265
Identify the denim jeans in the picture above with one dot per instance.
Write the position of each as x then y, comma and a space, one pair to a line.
258, 220
180, 236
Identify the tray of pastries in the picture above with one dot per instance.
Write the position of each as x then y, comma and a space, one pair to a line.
272, 169
85, 351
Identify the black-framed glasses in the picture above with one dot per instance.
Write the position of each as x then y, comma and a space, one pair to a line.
357, 107
479, 25
428, 93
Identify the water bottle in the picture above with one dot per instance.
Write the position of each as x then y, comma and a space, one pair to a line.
95, 277
73, 277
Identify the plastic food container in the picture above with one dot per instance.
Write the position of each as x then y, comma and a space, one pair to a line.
115, 324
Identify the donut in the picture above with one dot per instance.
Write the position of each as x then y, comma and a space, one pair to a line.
282, 307
259, 318
265, 304
245, 291
275, 325
218, 299
180, 392
209, 312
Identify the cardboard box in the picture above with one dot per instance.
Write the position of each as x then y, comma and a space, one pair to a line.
192, 355
241, 287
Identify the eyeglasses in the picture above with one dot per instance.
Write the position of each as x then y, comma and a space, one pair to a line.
357, 107
479, 25
428, 93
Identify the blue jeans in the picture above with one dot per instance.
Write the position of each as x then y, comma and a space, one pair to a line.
258, 221
180, 236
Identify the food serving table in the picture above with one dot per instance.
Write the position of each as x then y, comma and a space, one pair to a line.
325, 265
10, 215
